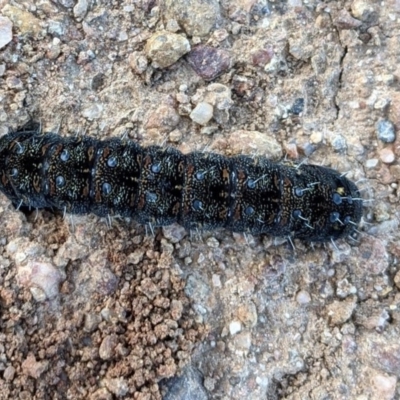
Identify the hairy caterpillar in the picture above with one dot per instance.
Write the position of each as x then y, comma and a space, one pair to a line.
160, 185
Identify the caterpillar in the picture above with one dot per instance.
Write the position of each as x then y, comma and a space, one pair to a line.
160, 185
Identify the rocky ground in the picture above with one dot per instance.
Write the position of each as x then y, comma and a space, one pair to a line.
91, 312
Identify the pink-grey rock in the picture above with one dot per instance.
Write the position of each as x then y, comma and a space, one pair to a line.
5, 31
209, 62
34, 368
196, 17
166, 48
13, 82
386, 155
174, 233
344, 20
262, 57
107, 346
40, 274
386, 357
164, 118
9, 373
383, 386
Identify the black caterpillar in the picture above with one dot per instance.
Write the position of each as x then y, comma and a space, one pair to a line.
158, 186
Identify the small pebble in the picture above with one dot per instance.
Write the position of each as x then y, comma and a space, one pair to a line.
297, 107
174, 233
316, 137
371, 163
138, 62
364, 11
34, 368
80, 9
345, 288
262, 57
42, 275
216, 281
14, 83
107, 347
196, 17
56, 28
38, 294
67, 3
175, 136
339, 143
384, 386
5, 31
386, 155
209, 62
9, 373
340, 312
164, 118
235, 327
385, 131
202, 113
303, 297
165, 48
92, 111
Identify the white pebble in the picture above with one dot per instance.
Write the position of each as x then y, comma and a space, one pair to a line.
316, 137
216, 280
303, 297
202, 113
371, 163
235, 327
386, 155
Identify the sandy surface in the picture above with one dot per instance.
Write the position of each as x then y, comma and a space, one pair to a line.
94, 312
